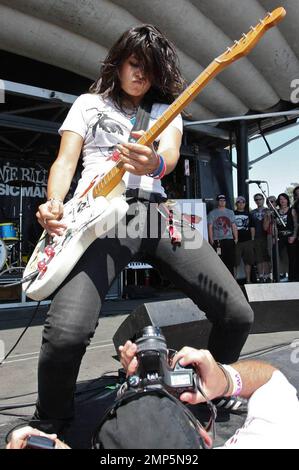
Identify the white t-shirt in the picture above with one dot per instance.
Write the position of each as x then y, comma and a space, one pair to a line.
102, 127
273, 418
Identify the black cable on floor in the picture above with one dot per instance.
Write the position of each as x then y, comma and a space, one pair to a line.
22, 334
98, 390
264, 350
14, 406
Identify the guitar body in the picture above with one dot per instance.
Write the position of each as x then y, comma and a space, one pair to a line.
86, 218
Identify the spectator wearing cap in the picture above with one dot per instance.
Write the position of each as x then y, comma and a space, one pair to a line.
259, 235
244, 247
223, 233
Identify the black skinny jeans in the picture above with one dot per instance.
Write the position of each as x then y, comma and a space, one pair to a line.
291, 251
71, 321
228, 253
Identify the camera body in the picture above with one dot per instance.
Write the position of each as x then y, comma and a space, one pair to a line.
153, 368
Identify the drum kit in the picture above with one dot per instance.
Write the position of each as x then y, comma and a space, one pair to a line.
11, 256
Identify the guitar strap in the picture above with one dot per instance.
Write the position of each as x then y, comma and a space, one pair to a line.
142, 117
141, 123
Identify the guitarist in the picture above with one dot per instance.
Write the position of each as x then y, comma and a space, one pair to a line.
142, 63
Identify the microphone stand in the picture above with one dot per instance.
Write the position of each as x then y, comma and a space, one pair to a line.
274, 256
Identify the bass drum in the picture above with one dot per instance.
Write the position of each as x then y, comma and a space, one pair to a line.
3, 254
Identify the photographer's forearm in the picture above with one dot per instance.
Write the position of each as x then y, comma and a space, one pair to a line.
254, 374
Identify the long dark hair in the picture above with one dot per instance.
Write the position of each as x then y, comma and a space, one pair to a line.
157, 57
286, 196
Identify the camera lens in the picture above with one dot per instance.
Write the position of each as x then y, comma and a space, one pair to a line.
152, 331
151, 354
151, 339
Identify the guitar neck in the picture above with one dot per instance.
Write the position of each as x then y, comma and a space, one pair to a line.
181, 102
114, 176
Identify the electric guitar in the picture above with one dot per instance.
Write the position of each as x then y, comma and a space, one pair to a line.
102, 204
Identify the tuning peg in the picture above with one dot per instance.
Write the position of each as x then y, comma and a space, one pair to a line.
252, 28
236, 43
228, 50
268, 14
244, 36
261, 21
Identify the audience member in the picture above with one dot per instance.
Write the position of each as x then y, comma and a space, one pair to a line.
259, 235
287, 236
223, 233
244, 247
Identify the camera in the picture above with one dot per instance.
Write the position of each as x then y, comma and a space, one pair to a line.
154, 369
40, 442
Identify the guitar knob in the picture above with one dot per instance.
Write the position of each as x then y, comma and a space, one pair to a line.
49, 250
42, 266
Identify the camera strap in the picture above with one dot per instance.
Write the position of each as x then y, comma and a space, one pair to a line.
130, 393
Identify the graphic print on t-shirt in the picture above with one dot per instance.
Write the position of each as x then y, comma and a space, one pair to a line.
107, 124
223, 225
242, 221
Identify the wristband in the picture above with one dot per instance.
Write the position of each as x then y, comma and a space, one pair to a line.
236, 379
229, 382
160, 171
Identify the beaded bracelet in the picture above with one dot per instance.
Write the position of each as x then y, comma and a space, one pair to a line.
236, 379
161, 170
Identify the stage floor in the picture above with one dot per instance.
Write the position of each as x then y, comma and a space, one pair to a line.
18, 375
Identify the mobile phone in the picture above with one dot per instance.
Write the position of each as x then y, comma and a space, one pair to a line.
40, 442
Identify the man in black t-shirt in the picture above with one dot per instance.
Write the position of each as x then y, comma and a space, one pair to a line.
244, 248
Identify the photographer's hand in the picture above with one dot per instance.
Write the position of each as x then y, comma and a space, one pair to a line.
211, 376
128, 357
19, 437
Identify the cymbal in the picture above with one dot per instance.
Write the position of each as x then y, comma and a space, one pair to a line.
21, 183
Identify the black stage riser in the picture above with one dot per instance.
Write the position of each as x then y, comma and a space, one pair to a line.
180, 320
275, 306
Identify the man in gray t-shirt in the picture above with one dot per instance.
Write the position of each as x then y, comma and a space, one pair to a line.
223, 232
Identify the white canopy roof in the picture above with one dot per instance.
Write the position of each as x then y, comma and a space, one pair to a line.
76, 34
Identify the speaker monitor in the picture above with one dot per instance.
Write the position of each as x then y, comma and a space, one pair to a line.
180, 320
275, 306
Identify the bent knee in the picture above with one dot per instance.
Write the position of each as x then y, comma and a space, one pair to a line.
242, 315
67, 339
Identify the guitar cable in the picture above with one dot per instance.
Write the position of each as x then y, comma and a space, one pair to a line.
22, 334
30, 277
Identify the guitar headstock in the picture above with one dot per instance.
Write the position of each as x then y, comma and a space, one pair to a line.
248, 41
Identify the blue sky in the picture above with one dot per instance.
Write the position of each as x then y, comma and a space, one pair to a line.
279, 169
